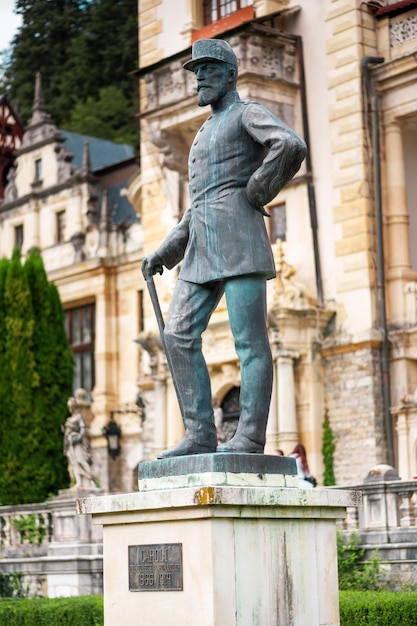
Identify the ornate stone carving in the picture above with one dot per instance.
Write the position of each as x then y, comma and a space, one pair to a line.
11, 189
173, 149
409, 398
66, 169
152, 344
168, 85
268, 57
78, 240
287, 292
403, 31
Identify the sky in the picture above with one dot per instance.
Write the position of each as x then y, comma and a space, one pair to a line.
9, 23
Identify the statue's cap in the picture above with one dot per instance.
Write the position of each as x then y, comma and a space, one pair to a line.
211, 50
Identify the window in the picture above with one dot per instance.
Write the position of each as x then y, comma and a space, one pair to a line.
18, 236
38, 170
140, 311
80, 327
60, 226
278, 223
215, 10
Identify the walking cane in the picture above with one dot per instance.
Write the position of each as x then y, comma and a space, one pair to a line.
161, 326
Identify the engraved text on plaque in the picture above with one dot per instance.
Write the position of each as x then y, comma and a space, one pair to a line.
155, 567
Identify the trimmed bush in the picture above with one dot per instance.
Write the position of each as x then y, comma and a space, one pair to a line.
75, 611
381, 608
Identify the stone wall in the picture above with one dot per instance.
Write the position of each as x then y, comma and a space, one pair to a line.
354, 404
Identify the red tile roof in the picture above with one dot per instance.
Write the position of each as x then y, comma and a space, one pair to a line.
396, 8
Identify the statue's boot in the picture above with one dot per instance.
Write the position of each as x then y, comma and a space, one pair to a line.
186, 447
241, 443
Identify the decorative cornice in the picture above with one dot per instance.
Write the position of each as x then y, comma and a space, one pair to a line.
271, 58
372, 344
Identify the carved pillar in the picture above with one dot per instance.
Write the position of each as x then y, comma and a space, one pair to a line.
287, 416
397, 222
401, 427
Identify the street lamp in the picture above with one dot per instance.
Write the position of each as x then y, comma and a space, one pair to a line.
113, 433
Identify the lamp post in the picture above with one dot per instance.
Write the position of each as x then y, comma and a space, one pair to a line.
113, 433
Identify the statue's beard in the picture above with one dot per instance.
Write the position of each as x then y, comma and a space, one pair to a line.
207, 95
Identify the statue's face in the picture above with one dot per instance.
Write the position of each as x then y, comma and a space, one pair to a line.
214, 80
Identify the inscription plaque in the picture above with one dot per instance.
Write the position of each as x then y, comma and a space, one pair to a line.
155, 567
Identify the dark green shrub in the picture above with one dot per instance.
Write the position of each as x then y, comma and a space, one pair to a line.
381, 608
355, 572
76, 611
12, 585
6, 586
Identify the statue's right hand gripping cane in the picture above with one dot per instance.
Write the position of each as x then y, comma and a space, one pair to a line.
151, 266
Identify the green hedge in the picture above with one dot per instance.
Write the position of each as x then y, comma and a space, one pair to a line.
357, 608
378, 608
75, 611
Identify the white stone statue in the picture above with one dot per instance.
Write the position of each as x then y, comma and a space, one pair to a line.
77, 448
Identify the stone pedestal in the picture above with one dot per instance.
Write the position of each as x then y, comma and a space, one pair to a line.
220, 540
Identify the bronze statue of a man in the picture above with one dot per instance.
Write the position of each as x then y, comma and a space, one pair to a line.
240, 159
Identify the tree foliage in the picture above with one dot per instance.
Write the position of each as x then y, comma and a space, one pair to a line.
35, 381
327, 450
104, 116
79, 47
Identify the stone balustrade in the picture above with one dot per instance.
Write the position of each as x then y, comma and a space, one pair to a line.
387, 507
386, 522
58, 552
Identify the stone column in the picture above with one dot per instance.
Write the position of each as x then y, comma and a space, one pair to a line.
272, 426
175, 426
31, 229
160, 419
105, 392
193, 21
287, 416
401, 428
272, 434
398, 249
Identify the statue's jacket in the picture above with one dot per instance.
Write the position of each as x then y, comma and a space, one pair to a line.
238, 162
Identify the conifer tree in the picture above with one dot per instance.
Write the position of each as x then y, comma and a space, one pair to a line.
4, 379
35, 382
54, 367
19, 379
327, 450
